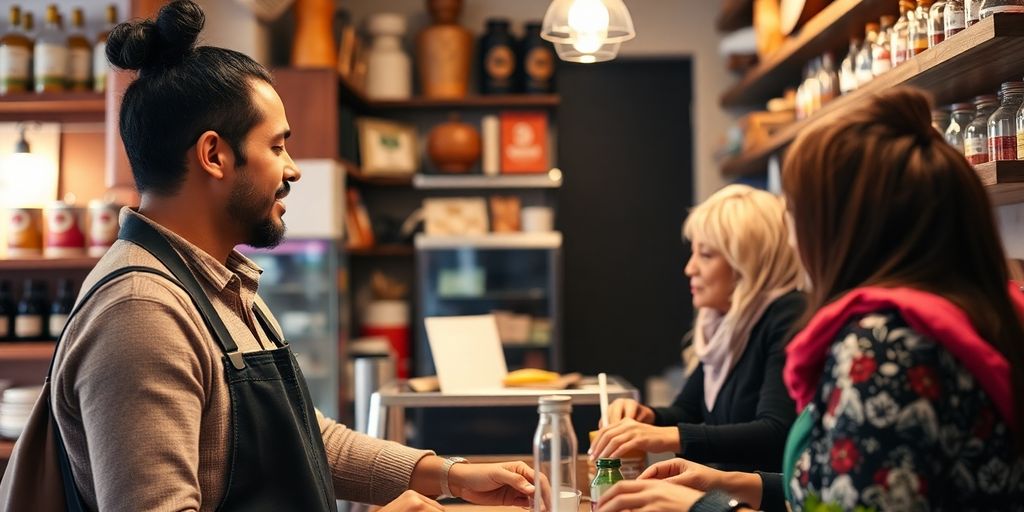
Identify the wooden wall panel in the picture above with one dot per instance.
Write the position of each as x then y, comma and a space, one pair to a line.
310, 98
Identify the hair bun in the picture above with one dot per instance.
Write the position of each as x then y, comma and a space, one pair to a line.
905, 111
149, 44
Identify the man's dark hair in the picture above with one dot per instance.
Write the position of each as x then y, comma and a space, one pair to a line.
181, 91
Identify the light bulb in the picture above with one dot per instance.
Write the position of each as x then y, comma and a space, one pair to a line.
588, 16
588, 42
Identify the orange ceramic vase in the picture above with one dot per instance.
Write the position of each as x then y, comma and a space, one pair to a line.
314, 46
444, 51
454, 146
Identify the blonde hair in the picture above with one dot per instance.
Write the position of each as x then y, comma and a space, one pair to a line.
748, 227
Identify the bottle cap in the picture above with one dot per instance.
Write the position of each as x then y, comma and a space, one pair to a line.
555, 403
609, 463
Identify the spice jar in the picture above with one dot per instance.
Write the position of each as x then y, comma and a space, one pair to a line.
953, 18
900, 41
918, 33
972, 11
936, 23
963, 114
976, 135
1020, 133
1002, 124
990, 7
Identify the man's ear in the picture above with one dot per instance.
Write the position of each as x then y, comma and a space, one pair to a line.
214, 155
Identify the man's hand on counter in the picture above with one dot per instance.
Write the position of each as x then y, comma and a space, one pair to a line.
506, 483
503, 483
412, 501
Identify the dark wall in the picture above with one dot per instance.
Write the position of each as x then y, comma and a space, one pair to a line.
626, 147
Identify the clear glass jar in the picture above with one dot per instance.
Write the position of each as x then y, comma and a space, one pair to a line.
972, 11
554, 452
953, 18
917, 38
941, 118
1020, 133
963, 114
863, 63
976, 136
881, 54
1002, 124
990, 7
936, 23
900, 42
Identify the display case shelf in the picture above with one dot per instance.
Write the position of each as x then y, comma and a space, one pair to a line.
361, 101
547, 240
355, 173
26, 350
1004, 180
396, 250
56, 107
550, 179
975, 61
40, 263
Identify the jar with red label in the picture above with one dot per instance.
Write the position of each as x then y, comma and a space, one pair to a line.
62, 231
24, 232
101, 226
976, 135
1002, 124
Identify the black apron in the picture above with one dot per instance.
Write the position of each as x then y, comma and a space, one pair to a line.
277, 456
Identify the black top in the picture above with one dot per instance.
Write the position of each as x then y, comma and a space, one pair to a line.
747, 429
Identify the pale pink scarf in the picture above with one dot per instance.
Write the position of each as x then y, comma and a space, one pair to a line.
720, 339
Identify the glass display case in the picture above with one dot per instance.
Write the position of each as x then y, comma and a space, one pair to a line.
516, 277
300, 285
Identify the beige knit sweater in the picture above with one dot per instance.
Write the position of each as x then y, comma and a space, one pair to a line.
141, 399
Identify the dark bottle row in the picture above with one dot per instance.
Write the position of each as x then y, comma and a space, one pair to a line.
34, 316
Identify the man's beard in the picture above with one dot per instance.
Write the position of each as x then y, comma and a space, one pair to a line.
255, 215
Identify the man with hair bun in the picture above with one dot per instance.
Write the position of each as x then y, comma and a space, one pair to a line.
172, 386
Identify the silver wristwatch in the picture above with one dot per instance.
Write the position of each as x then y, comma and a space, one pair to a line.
446, 468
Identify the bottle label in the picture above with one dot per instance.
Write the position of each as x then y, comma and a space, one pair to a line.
14, 67
976, 151
540, 66
881, 62
500, 64
51, 62
28, 326
99, 67
5, 326
1003, 147
79, 66
57, 322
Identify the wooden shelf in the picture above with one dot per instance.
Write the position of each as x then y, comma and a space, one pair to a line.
381, 250
975, 61
83, 263
355, 173
26, 350
1004, 180
830, 30
62, 107
735, 14
470, 102
550, 179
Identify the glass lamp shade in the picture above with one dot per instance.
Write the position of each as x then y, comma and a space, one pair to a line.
572, 53
601, 21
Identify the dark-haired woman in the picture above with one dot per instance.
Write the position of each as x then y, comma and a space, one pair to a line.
910, 370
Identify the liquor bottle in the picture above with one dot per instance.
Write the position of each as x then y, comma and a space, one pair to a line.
7, 311
608, 474
51, 54
536, 62
30, 321
848, 69
79, 54
881, 51
936, 23
497, 59
918, 31
828, 80
100, 66
900, 42
953, 18
61, 308
863, 63
15, 53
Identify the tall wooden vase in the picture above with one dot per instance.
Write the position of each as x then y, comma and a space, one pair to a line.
444, 51
314, 46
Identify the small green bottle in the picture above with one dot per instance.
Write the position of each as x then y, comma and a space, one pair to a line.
607, 474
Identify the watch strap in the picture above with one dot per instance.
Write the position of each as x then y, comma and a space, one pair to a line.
446, 468
717, 501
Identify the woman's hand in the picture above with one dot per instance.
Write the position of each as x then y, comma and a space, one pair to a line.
630, 435
745, 486
684, 472
627, 408
412, 501
648, 496
505, 483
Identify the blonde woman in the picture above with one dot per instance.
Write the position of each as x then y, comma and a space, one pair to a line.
734, 411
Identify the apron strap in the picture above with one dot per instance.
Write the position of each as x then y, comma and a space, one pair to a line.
267, 327
142, 234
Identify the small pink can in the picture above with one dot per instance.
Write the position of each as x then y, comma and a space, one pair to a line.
62, 231
101, 226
